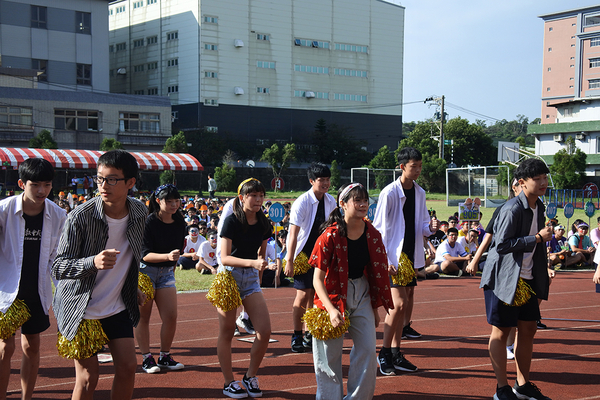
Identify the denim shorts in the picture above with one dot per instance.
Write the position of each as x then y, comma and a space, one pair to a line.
247, 281
161, 277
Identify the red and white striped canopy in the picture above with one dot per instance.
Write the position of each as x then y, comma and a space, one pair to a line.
86, 159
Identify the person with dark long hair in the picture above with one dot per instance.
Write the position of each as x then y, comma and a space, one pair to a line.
243, 245
164, 236
351, 282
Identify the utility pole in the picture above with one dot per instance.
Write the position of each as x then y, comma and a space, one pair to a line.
440, 125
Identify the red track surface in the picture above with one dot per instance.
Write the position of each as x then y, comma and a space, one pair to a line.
452, 354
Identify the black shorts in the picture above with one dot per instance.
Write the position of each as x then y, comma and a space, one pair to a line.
117, 326
39, 320
411, 283
503, 316
304, 281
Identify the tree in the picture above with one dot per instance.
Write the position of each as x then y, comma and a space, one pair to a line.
568, 169
225, 176
110, 144
176, 144
43, 140
433, 173
279, 158
167, 177
472, 146
384, 159
336, 180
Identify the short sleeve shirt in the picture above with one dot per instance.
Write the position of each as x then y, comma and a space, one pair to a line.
245, 241
445, 248
208, 254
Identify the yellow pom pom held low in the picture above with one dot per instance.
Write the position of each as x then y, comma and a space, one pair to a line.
224, 293
145, 285
301, 265
16, 315
88, 341
319, 325
523, 294
406, 272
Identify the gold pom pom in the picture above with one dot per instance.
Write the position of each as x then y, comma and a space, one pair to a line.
224, 293
523, 294
301, 265
88, 341
406, 272
319, 325
145, 285
16, 315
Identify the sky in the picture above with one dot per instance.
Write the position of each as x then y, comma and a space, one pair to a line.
485, 57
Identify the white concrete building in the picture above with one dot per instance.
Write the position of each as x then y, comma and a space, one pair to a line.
265, 70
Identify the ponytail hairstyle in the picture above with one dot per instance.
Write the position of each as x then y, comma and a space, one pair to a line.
354, 191
250, 185
164, 192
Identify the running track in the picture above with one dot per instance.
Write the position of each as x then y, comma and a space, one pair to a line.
452, 354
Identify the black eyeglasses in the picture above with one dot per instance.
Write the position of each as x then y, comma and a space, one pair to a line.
110, 180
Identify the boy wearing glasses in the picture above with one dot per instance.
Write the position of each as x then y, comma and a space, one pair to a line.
28, 243
97, 268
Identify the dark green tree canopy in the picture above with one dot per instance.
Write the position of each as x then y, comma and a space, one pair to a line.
568, 169
43, 141
110, 144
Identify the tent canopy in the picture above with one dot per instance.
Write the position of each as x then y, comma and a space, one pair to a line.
87, 159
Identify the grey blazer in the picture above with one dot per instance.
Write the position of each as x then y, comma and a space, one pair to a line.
84, 236
511, 240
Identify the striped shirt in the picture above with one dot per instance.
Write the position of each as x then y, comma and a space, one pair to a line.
83, 237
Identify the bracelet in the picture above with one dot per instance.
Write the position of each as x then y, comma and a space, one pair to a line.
536, 236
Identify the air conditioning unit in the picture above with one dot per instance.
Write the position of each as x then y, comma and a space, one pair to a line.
309, 95
558, 137
238, 90
238, 43
122, 71
580, 136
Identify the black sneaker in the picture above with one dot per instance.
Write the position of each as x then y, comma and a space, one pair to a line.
541, 325
410, 333
307, 341
386, 366
402, 364
505, 393
432, 275
234, 390
298, 343
149, 366
252, 386
245, 324
168, 363
528, 392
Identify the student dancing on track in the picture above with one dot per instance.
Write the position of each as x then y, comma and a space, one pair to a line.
164, 236
244, 238
351, 282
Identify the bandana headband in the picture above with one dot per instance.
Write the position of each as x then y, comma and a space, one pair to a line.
346, 190
246, 181
163, 187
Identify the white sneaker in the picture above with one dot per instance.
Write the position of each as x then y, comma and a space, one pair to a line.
510, 355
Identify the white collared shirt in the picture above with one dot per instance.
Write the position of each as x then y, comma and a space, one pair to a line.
12, 234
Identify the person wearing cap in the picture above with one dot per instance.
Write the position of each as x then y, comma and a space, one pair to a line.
559, 252
204, 213
581, 243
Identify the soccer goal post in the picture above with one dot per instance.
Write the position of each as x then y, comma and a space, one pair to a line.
491, 184
374, 178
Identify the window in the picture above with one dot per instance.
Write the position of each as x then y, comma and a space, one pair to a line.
211, 74
41, 65
120, 9
172, 35
138, 43
138, 92
16, 117
547, 89
84, 74
153, 65
549, 49
138, 68
311, 69
572, 58
265, 64
594, 62
350, 72
83, 22
594, 83
138, 4
138, 122
350, 97
153, 91
76, 120
111, 72
151, 2
592, 20
262, 90
211, 19
211, 129
311, 43
549, 69
211, 102
595, 42
151, 40
38, 17
209, 46
173, 62
261, 36
573, 45
111, 48
174, 115
110, 11
173, 89
121, 46
351, 47
550, 29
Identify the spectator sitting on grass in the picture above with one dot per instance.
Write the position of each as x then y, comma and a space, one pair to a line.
450, 257
559, 252
581, 243
469, 242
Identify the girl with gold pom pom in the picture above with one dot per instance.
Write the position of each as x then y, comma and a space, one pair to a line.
351, 282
